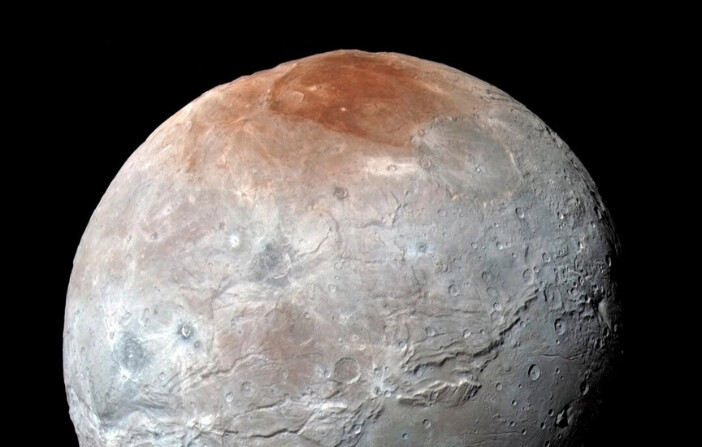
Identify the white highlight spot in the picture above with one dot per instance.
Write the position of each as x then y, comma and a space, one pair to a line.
379, 166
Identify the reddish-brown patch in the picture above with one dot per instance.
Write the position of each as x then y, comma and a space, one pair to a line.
368, 96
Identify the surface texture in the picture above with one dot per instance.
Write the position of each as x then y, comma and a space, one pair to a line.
350, 249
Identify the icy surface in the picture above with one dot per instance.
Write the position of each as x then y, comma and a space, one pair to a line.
352, 249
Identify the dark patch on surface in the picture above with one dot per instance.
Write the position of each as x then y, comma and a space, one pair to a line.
131, 353
340, 193
271, 264
368, 96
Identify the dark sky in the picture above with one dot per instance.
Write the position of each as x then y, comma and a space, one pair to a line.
109, 90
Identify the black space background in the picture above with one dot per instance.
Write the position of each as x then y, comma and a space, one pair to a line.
103, 92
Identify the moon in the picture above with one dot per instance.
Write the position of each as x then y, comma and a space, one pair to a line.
350, 249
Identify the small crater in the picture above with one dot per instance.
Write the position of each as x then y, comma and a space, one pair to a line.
234, 240
534, 372
132, 354
347, 370
185, 331
340, 193
559, 325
